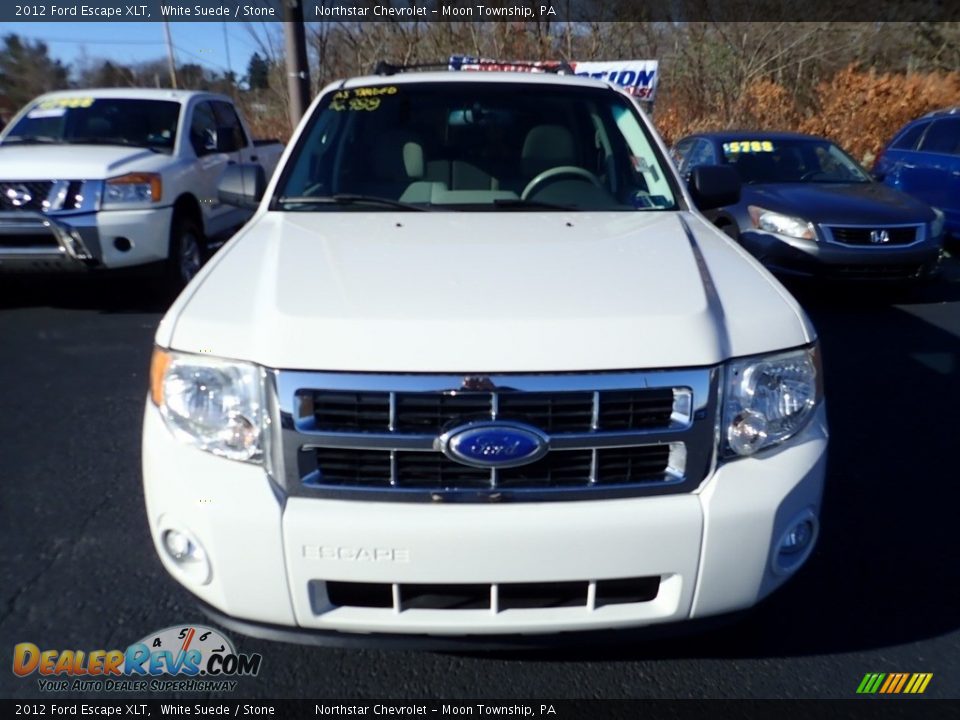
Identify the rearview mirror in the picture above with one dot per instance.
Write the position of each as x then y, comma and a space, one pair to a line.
242, 185
713, 186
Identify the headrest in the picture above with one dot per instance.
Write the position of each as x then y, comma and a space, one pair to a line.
397, 156
547, 146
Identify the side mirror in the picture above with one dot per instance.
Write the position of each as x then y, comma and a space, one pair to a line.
242, 185
713, 186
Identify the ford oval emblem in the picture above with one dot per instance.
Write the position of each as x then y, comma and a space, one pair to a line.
494, 444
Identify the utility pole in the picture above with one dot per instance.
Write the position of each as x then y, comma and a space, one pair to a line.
230, 76
298, 72
170, 61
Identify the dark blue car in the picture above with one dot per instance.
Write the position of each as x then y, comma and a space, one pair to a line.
807, 208
923, 159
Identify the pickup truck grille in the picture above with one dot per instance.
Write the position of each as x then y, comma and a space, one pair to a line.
363, 436
28, 195
42, 195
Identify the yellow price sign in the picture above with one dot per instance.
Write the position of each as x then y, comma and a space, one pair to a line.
68, 102
748, 146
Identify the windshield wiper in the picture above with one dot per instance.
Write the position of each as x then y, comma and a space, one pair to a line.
32, 139
515, 203
348, 199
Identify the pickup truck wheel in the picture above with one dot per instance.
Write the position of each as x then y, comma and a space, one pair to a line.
186, 252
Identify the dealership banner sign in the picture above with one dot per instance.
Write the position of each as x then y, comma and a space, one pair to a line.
637, 77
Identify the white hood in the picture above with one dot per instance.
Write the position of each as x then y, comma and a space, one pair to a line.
74, 162
483, 292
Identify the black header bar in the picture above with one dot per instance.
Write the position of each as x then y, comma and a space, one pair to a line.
887, 709
516, 11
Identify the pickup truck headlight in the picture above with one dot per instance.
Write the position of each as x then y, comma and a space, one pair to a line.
133, 188
213, 404
781, 224
768, 399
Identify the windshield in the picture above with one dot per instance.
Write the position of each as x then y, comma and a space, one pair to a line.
475, 146
107, 121
791, 160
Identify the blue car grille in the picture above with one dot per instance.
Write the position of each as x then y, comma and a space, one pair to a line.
874, 237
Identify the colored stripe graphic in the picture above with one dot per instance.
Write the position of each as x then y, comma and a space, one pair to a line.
894, 683
870, 683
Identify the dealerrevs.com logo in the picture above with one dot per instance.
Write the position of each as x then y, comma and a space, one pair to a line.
201, 658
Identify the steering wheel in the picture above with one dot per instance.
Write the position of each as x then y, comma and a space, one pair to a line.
556, 172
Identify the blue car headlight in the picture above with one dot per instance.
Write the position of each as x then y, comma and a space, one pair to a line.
780, 224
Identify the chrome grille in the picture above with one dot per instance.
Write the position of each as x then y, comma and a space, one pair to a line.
871, 236
48, 195
366, 436
558, 412
337, 467
26, 195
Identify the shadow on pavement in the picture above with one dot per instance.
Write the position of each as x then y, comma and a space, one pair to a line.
107, 293
885, 571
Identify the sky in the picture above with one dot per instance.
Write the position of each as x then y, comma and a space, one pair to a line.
205, 43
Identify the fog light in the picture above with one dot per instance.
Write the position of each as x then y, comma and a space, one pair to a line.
796, 543
180, 547
187, 554
797, 539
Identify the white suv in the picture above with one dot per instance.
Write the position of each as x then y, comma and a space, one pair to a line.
477, 367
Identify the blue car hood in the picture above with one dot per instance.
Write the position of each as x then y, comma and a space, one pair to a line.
840, 204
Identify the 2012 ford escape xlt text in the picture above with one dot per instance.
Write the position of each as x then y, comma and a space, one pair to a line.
478, 370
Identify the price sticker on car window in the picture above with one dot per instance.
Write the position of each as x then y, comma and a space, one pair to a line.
65, 103
362, 98
46, 113
747, 146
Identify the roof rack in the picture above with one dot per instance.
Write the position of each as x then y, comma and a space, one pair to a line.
387, 68
457, 62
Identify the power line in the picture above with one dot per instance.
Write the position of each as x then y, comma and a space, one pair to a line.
203, 60
88, 41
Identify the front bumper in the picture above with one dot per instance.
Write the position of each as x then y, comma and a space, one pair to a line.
35, 242
271, 557
808, 258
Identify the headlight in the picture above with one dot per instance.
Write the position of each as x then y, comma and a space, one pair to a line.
215, 405
133, 188
936, 225
780, 224
768, 399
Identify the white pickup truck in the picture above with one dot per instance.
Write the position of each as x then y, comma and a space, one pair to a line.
478, 371
101, 179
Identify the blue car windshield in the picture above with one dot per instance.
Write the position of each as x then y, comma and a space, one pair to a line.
475, 146
791, 160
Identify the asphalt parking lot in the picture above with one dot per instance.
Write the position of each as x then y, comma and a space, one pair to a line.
881, 593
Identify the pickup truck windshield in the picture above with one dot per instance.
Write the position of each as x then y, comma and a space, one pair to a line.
791, 160
99, 121
475, 146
